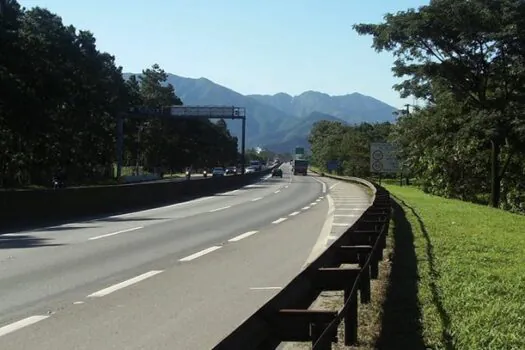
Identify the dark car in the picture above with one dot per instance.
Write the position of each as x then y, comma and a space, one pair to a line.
277, 172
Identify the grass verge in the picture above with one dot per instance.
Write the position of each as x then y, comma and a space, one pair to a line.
470, 276
453, 278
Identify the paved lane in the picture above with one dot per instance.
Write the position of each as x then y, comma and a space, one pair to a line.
172, 277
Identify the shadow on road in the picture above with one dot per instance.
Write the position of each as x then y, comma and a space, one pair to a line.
24, 241
64, 228
401, 327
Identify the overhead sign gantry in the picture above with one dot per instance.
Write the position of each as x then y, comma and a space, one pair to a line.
186, 112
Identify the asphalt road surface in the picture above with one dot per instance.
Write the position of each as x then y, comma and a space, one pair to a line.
175, 277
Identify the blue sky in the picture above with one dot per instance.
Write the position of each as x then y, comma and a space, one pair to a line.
249, 46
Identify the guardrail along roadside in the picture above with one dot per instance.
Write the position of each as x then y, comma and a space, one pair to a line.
289, 316
19, 208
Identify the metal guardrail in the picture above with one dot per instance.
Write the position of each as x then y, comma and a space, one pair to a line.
287, 317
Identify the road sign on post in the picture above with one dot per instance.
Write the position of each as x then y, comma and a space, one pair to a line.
383, 158
332, 165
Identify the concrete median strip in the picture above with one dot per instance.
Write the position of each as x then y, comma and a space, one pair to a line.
242, 236
116, 233
21, 324
121, 285
201, 253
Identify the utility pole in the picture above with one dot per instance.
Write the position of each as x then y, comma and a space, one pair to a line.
408, 109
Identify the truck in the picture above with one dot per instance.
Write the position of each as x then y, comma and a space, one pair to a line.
300, 166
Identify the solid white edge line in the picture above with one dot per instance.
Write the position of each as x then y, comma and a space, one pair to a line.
256, 199
278, 221
352, 209
322, 183
116, 233
219, 209
201, 253
294, 213
127, 283
242, 236
21, 324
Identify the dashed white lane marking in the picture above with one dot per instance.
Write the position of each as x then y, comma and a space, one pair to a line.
116, 233
266, 288
286, 186
340, 224
242, 236
21, 324
305, 208
219, 209
318, 200
127, 283
78, 303
295, 213
256, 199
333, 186
313, 203
278, 221
201, 253
277, 191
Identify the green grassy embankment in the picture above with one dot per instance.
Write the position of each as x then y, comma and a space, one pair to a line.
453, 278
457, 275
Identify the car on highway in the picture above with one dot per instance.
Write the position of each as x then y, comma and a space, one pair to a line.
217, 171
250, 169
277, 172
231, 170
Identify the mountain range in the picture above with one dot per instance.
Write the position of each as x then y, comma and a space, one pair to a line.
281, 122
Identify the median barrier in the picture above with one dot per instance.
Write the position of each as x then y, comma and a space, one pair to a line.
289, 315
26, 208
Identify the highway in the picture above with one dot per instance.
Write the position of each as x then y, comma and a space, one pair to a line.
175, 277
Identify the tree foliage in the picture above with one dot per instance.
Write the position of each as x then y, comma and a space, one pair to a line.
350, 145
465, 57
59, 102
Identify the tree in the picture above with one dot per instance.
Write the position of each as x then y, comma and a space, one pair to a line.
473, 49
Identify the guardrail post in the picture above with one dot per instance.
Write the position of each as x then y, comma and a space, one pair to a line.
350, 318
374, 265
364, 279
